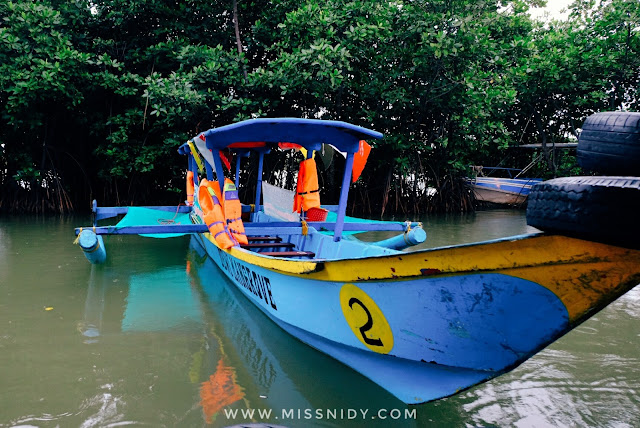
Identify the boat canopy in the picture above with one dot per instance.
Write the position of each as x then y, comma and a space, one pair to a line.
308, 133
261, 135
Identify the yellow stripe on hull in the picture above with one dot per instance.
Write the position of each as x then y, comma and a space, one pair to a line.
581, 273
293, 267
524, 252
584, 288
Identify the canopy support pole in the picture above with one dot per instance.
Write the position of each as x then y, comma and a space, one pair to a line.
344, 194
259, 182
238, 170
209, 171
219, 170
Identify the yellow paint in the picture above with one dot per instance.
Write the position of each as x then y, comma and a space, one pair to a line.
520, 253
294, 267
366, 320
585, 287
583, 274
196, 156
285, 266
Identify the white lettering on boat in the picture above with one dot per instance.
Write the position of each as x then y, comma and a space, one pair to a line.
255, 283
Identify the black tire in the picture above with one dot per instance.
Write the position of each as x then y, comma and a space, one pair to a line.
602, 209
610, 143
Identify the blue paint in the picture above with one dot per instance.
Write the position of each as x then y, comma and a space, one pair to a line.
513, 185
469, 320
141, 216
92, 246
412, 382
218, 168
209, 170
410, 238
149, 230
237, 181
259, 182
344, 194
309, 133
256, 227
94, 213
102, 213
450, 332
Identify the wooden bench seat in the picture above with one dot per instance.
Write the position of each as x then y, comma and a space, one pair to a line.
268, 245
289, 253
264, 238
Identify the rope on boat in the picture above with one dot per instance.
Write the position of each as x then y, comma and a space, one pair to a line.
406, 232
166, 221
77, 240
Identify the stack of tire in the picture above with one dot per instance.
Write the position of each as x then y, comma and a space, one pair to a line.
599, 208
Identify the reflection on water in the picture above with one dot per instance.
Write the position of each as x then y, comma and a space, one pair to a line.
91, 325
591, 377
276, 372
161, 301
158, 336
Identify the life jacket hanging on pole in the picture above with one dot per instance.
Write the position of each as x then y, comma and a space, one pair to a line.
307, 190
214, 215
233, 212
190, 188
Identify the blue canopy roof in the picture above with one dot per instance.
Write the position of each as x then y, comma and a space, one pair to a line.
309, 133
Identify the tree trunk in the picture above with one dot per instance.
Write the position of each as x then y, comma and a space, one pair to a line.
236, 26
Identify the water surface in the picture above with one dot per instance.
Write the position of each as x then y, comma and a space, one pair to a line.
159, 337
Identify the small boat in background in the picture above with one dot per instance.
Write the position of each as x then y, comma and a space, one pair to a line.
502, 191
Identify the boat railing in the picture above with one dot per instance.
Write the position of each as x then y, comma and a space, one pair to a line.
252, 228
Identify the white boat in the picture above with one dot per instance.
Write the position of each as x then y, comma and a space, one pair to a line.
504, 191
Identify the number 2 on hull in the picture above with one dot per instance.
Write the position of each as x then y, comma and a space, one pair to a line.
366, 320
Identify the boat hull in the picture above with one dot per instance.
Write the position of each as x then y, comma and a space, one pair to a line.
504, 191
498, 196
428, 324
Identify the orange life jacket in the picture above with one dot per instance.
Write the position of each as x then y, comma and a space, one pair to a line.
213, 215
190, 188
233, 212
307, 189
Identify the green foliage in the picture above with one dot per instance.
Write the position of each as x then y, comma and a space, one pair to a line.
100, 94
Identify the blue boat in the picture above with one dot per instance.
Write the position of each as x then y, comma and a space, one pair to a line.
502, 190
508, 191
422, 324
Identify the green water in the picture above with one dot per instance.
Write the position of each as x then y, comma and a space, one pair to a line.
158, 337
